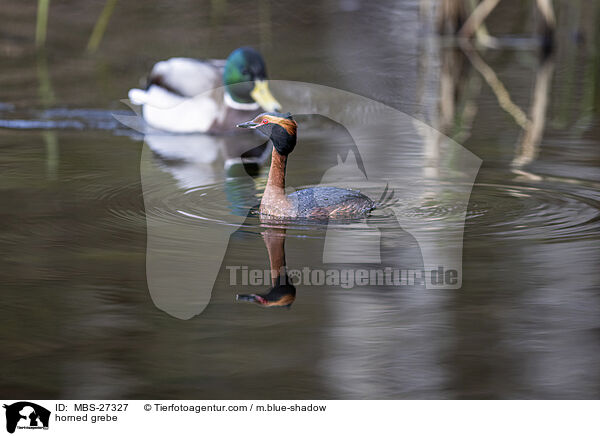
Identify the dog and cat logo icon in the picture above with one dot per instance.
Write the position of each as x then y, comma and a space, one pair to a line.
26, 415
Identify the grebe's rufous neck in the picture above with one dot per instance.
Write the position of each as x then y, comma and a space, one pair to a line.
319, 202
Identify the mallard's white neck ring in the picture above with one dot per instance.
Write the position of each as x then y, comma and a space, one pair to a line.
230, 102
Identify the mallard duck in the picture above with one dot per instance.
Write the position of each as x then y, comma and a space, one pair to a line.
187, 95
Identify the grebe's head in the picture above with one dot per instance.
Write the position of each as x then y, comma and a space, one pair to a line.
245, 79
280, 128
283, 294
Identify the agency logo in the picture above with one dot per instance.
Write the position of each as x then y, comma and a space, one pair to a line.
26, 415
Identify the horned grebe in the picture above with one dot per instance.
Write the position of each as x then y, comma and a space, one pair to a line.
319, 202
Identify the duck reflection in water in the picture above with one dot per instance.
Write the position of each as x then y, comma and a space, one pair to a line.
283, 293
199, 159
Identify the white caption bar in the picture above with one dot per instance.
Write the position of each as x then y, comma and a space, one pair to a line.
297, 417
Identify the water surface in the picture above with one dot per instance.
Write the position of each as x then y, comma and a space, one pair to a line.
79, 320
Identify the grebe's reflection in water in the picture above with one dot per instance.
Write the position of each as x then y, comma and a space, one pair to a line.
283, 292
399, 251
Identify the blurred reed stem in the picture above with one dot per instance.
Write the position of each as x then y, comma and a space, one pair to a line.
42, 22
498, 88
52, 153
45, 89
264, 24
48, 99
477, 17
100, 27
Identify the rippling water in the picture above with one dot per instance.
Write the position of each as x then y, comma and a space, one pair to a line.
84, 316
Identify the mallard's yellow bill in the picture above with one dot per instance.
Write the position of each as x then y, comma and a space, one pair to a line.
263, 96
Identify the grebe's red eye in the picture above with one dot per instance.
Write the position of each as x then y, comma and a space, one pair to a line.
265, 121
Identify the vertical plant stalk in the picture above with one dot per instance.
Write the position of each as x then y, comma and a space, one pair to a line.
41, 23
451, 16
481, 34
548, 27
47, 98
497, 87
218, 11
545, 7
45, 89
264, 18
52, 153
100, 27
477, 18
528, 147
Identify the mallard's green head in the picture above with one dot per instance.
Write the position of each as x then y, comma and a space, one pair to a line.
245, 79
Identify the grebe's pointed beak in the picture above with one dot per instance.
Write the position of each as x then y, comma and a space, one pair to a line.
262, 95
253, 298
248, 125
